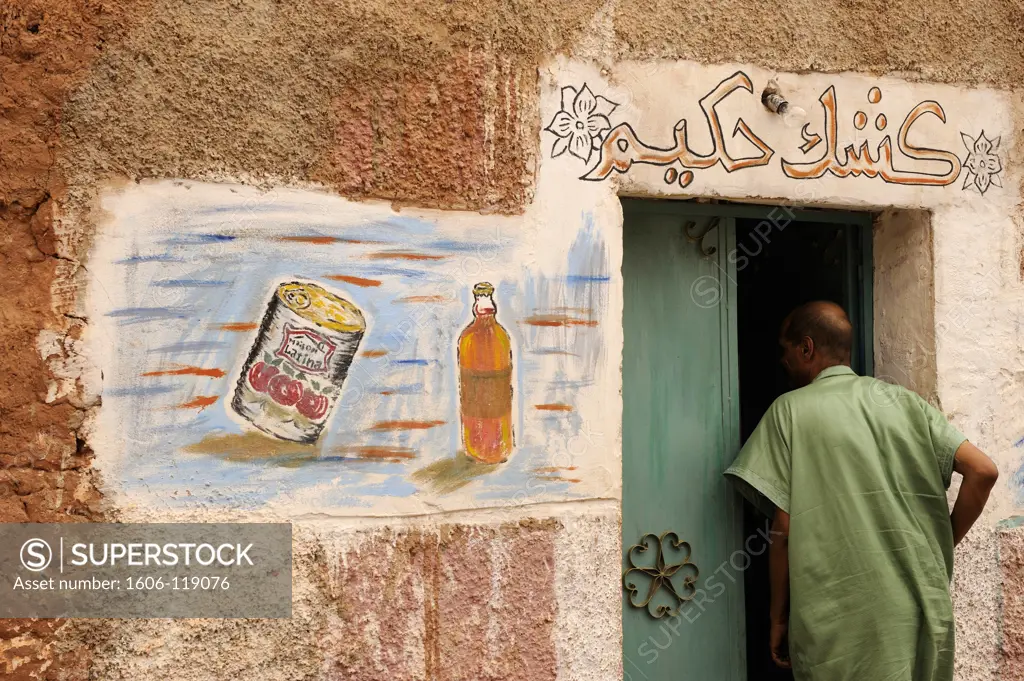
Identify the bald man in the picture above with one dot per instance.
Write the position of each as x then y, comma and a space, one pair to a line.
854, 473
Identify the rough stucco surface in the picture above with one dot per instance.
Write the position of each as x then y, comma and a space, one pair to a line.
976, 603
428, 103
451, 138
587, 587
45, 51
904, 291
954, 42
446, 602
1011, 560
432, 104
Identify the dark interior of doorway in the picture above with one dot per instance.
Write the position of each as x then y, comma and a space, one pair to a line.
776, 270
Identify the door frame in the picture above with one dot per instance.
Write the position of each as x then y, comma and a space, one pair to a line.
859, 274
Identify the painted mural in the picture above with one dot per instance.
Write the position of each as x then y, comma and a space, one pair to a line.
583, 127
295, 348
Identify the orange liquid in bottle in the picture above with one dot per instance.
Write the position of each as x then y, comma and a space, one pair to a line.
485, 382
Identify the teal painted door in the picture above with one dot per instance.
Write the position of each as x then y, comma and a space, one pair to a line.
680, 431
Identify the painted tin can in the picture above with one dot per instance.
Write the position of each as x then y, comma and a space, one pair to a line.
292, 379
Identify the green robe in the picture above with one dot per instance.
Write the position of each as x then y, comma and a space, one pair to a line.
862, 468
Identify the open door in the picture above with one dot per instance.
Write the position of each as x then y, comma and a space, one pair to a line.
695, 588
682, 616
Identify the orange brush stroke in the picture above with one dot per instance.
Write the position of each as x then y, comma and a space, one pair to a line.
557, 320
424, 299
405, 425
201, 402
237, 326
187, 371
554, 469
357, 281
404, 255
553, 407
555, 478
393, 453
373, 353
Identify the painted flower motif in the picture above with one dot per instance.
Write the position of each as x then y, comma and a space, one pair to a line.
582, 122
982, 164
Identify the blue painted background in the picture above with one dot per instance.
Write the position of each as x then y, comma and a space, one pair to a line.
185, 277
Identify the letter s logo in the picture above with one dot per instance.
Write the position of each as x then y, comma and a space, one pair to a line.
36, 555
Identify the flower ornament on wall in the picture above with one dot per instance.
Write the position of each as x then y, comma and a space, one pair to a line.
983, 165
581, 123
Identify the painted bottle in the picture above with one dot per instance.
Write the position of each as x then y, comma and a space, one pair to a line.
485, 382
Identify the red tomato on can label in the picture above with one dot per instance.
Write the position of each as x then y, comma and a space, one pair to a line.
312, 405
260, 375
284, 390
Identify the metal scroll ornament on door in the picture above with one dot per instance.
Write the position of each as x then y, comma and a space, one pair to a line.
707, 238
660, 574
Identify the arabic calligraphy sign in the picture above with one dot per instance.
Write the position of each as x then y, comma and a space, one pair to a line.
622, 148
583, 126
860, 162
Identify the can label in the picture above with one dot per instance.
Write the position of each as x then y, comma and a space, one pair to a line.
293, 376
306, 349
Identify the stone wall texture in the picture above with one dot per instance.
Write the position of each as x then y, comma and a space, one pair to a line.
426, 103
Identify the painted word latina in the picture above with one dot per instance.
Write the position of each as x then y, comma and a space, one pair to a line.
620, 148
308, 351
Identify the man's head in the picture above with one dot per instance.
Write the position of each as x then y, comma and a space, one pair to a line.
813, 337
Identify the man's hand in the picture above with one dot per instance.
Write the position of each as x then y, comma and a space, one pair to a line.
778, 569
780, 645
980, 475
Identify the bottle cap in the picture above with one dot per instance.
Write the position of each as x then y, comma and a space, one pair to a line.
483, 289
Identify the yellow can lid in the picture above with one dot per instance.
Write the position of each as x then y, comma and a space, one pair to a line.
483, 289
320, 306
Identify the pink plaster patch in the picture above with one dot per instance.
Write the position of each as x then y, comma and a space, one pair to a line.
1011, 562
464, 604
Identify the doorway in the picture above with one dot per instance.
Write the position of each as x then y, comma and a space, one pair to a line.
706, 287
804, 261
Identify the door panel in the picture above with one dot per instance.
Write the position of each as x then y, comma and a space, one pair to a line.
680, 431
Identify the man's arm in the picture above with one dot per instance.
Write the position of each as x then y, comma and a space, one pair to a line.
980, 475
778, 568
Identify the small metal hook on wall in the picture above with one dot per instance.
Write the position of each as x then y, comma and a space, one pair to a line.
707, 238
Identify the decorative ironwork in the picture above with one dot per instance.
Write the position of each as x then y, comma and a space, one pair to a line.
660, 574
706, 237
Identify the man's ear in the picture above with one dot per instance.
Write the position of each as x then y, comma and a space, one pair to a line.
807, 347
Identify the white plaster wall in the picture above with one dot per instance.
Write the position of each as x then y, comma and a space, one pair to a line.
585, 587
978, 312
146, 472
976, 237
979, 346
653, 97
904, 296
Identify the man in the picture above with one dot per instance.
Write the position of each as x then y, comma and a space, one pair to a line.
854, 472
